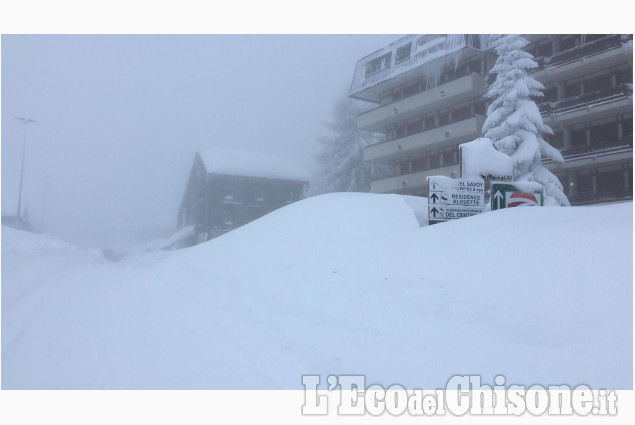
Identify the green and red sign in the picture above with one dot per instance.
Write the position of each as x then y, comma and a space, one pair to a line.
520, 194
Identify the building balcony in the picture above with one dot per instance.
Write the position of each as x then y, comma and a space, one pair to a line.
408, 183
596, 55
585, 198
452, 92
596, 154
464, 130
605, 100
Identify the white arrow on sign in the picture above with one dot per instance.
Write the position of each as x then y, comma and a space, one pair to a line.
498, 196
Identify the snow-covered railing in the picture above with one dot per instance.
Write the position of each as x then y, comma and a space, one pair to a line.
621, 145
583, 50
410, 52
584, 198
572, 103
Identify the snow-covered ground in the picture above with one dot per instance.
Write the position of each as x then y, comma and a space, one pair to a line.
335, 284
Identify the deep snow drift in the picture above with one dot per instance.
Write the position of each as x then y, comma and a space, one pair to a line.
335, 284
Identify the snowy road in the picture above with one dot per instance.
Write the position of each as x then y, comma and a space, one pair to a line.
337, 284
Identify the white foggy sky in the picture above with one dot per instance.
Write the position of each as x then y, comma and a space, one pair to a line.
120, 118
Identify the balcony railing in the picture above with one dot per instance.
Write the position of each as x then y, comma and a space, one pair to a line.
622, 144
579, 102
584, 198
584, 50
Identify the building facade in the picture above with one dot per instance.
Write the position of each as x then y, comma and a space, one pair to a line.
226, 190
429, 91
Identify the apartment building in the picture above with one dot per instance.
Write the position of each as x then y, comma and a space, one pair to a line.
429, 90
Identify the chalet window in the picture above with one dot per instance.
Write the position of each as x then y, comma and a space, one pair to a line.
228, 218
403, 53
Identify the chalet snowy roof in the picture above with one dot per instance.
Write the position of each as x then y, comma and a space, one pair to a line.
252, 164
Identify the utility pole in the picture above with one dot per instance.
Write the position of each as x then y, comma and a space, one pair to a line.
43, 202
26, 123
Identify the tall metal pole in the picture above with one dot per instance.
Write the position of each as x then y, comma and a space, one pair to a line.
26, 123
43, 203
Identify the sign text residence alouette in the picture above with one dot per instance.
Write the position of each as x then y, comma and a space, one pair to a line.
517, 194
449, 198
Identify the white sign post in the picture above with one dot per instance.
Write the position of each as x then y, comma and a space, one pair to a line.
449, 198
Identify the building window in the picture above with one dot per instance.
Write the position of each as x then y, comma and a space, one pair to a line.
444, 118
449, 158
430, 122
545, 49
557, 139
603, 134
624, 75
572, 88
411, 89
589, 38
415, 126
420, 164
627, 127
401, 130
228, 218
564, 181
585, 183
435, 160
578, 135
378, 64
461, 113
403, 53
569, 41
550, 94
597, 83
480, 108
610, 182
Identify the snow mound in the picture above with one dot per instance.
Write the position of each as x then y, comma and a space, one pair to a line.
338, 284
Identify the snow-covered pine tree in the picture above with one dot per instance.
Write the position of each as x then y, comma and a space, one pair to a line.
342, 168
514, 122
